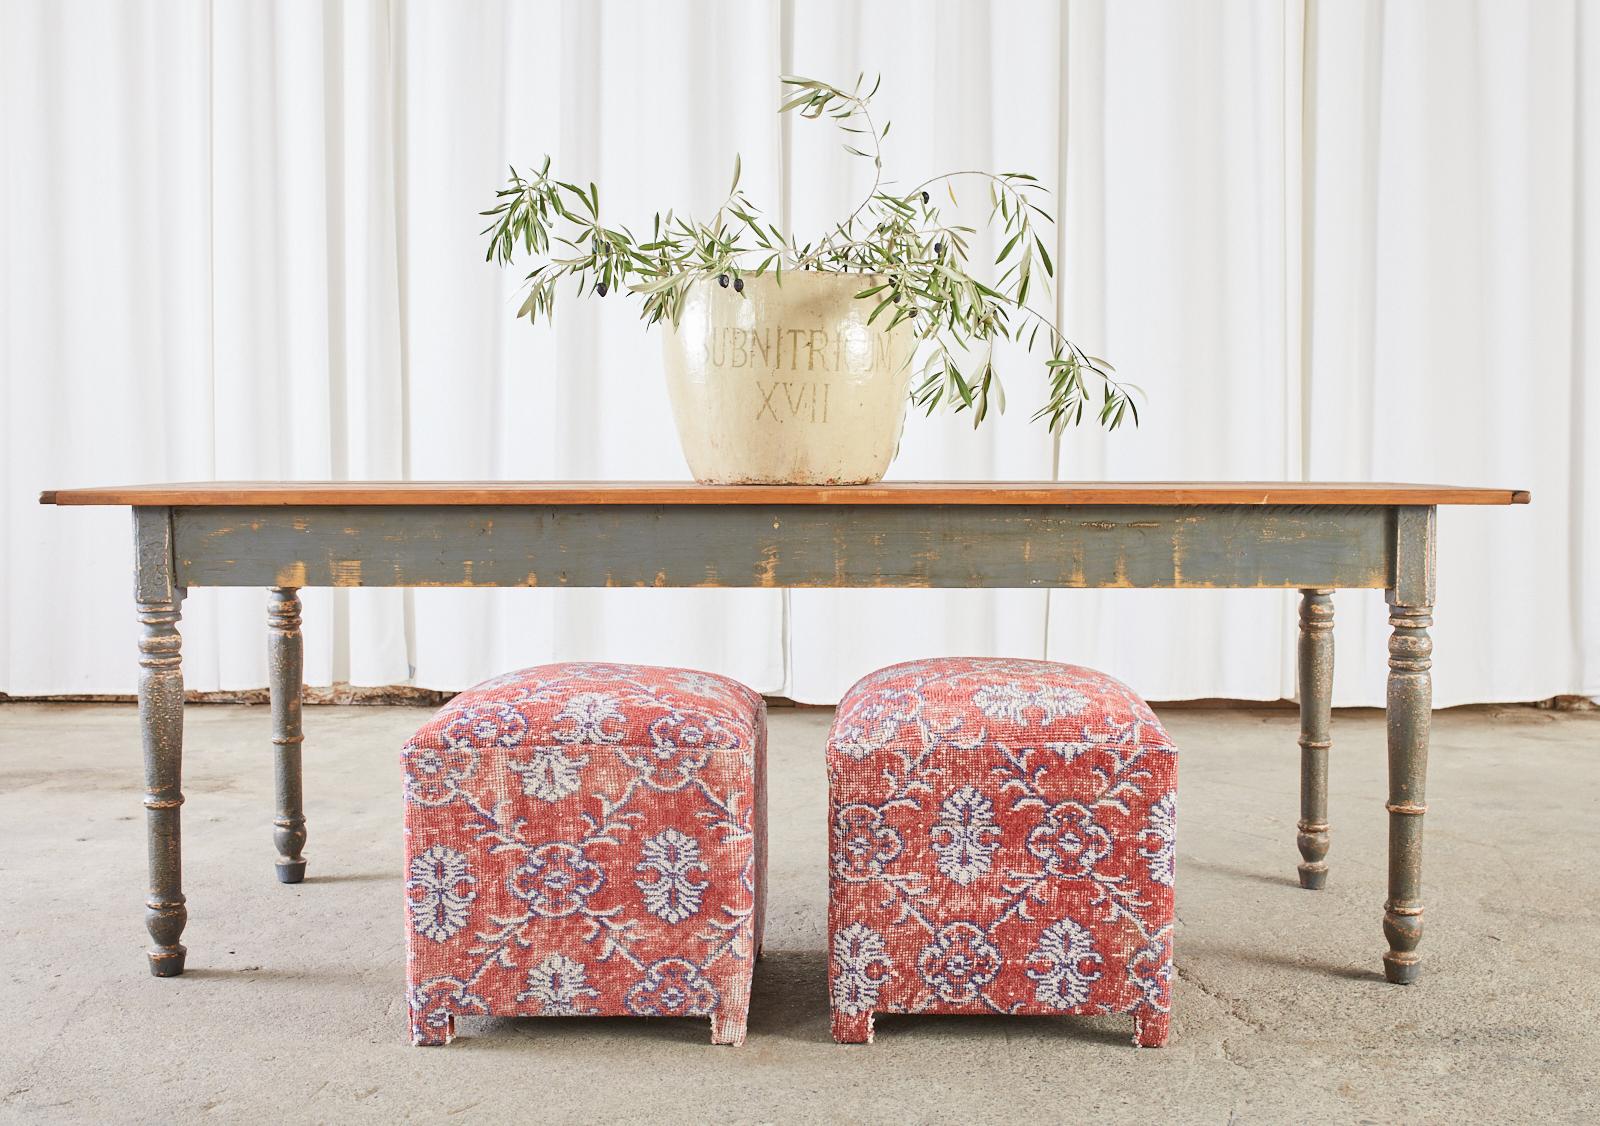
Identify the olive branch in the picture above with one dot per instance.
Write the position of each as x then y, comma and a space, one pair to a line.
920, 262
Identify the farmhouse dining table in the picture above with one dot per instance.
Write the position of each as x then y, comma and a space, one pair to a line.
287, 535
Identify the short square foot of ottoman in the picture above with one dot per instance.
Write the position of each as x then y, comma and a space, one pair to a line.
852, 1028
1150, 1029
729, 1026
433, 1030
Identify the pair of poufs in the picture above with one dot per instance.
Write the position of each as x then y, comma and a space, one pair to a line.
590, 839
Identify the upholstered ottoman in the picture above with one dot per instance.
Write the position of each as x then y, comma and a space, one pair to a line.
1001, 841
586, 839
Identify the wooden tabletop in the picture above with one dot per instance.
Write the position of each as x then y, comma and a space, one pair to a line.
285, 493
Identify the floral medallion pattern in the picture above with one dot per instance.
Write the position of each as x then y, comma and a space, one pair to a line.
861, 964
560, 987
1068, 840
958, 963
488, 724
586, 839
862, 843
1002, 836
1160, 840
673, 858
440, 889
965, 837
1065, 964
556, 879
673, 987
549, 773
433, 773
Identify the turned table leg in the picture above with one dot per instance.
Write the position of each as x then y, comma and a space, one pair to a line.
1409, 706
161, 724
1316, 701
1410, 709
285, 670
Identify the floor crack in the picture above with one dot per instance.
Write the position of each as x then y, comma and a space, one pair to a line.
1233, 1006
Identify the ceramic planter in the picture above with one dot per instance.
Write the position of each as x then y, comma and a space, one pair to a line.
786, 383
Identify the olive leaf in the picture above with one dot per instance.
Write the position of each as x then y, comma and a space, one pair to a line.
918, 261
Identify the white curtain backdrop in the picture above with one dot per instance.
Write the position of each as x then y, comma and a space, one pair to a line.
1331, 241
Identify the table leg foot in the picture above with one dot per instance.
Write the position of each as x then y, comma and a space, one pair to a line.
167, 961
1313, 876
1401, 969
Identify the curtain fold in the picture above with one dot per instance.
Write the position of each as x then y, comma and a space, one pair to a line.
963, 91
1331, 241
1180, 248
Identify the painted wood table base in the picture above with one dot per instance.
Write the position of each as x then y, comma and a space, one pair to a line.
287, 535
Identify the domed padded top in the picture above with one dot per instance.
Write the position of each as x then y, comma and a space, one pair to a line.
996, 700
598, 704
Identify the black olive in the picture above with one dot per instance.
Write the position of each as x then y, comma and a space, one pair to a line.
924, 197
722, 280
897, 299
938, 250
738, 285
601, 289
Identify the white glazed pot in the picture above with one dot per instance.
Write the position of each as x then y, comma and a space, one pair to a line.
786, 383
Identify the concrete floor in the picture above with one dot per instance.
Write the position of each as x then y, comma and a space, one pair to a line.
292, 1007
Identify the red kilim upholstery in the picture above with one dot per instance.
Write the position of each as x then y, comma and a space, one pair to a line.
586, 839
1001, 841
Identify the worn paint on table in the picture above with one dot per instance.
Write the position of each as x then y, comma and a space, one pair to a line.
1282, 547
